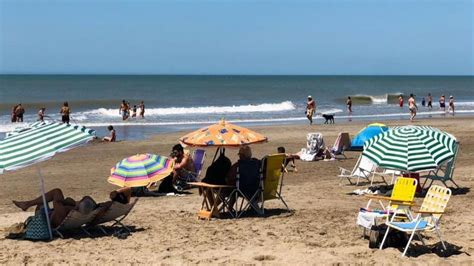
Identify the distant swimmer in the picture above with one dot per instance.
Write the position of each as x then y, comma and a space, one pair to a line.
310, 109
442, 103
124, 110
400, 101
65, 112
412, 106
349, 104
451, 104
142, 109
41, 114
430, 101
13, 115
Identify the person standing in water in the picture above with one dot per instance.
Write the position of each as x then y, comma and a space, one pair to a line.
65, 112
13, 115
430, 101
400, 101
451, 104
442, 103
349, 104
412, 106
41, 114
19, 111
310, 109
142, 109
124, 110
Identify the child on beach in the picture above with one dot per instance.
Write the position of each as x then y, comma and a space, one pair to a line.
112, 136
41, 114
289, 158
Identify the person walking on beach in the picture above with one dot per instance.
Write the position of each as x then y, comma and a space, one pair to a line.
19, 111
142, 109
124, 110
451, 104
13, 115
310, 109
400, 101
412, 106
65, 112
442, 103
349, 104
41, 114
430, 101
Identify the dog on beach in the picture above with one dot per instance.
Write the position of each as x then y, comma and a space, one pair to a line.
329, 118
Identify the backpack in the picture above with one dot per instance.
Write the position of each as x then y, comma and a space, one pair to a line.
395, 238
217, 171
37, 226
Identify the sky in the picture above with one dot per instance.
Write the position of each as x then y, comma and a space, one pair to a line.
285, 37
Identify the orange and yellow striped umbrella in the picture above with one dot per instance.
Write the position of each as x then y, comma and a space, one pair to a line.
222, 134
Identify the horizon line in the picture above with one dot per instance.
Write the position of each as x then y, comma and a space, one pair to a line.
228, 74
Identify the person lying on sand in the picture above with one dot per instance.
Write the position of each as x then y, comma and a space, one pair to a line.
62, 206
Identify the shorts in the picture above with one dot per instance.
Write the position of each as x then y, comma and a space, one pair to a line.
186, 176
65, 119
413, 110
309, 112
442, 105
429, 104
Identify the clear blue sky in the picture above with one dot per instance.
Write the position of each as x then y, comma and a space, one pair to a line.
237, 37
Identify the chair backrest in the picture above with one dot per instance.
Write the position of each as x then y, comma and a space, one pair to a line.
404, 189
436, 200
342, 143
75, 219
199, 156
315, 142
363, 167
115, 211
249, 178
272, 174
449, 171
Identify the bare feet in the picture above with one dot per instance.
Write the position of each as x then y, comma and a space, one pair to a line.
21, 205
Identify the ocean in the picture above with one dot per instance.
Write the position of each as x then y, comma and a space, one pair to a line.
182, 102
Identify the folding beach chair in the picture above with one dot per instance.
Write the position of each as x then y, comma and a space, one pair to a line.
273, 178
342, 143
364, 168
249, 186
387, 173
76, 220
314, 146
428, 218
403, 192
115, 213
199, 156
445, 172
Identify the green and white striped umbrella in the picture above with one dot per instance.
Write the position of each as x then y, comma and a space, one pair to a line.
40, 142
410, 148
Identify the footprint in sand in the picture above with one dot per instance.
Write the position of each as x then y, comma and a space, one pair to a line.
264, 257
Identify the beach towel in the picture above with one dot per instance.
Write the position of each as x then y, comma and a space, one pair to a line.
314, 147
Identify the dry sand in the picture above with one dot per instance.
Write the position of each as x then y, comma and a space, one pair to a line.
320, 230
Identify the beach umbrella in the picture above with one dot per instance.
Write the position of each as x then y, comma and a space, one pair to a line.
140, 170
39, 142
410, 148
222, 134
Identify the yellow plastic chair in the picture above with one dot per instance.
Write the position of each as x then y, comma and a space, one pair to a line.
428, 218
273, 177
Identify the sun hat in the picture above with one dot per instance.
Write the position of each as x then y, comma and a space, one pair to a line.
309, 96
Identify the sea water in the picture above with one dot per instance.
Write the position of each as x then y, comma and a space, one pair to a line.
189, 102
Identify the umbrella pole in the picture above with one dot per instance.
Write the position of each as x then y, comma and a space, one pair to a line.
45, 204
215, 155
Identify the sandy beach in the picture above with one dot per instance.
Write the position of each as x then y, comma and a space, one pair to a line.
321, 228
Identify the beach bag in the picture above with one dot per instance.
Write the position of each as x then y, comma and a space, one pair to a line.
217, 171
395, 238
37, 226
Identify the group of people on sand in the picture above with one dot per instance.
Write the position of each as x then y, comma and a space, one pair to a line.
18, 112
125, 110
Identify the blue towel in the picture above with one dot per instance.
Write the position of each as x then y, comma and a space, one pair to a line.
410, 225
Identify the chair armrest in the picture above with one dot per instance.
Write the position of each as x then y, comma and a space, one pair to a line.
202, 184
377, 197
428, 212
343, 171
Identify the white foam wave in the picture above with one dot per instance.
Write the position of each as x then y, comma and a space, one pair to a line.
249, 108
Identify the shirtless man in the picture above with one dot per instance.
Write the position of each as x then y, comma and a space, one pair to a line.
19, 111
430, 101
310, 109
142, 109
442, 103
412, 106
124, 110
183, 165
451, 104
65, 112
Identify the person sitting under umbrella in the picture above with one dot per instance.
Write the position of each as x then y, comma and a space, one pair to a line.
62, 206
184, 166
